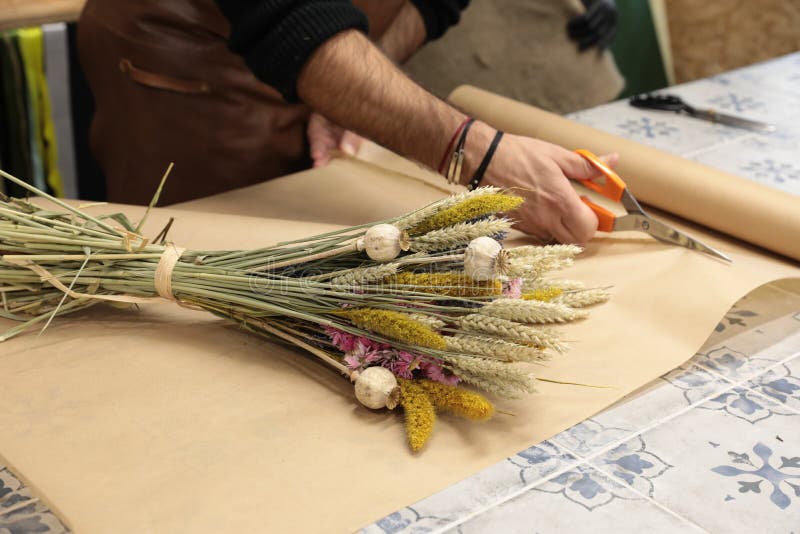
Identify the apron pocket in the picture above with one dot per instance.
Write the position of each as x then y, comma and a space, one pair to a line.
162, 81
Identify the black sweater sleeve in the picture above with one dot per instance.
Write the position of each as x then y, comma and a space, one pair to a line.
276, 37
439, 15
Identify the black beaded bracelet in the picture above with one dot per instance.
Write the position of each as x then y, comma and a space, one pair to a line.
478, 176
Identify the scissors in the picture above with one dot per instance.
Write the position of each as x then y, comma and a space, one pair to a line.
637, 219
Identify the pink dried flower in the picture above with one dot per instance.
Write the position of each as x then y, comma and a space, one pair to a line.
352, 361
402, 364
437, 374
513, 288
341, 340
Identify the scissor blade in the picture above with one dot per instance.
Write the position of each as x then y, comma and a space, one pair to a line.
730, 120
665, 233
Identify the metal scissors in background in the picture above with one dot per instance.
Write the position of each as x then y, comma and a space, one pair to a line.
637, 219
677, 105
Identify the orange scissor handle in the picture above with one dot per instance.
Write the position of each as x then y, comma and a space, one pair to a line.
613, 187
605, 218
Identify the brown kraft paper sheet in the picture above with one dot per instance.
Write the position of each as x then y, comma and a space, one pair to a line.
167, 420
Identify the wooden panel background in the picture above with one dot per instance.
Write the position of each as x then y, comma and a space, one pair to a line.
712, 37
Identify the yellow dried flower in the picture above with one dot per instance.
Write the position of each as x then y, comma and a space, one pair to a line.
420, 414
545, 294
459, 401
395, 325
451, 284
470, 208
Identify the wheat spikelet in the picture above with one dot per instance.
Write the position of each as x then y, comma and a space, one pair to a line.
526, 267
532, 284
511, 331
459, 234
502, 379
428, 320
532, 311
491, 347
581, 299
537, 252
365, 275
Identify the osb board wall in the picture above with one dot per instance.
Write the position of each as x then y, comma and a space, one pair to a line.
712, 37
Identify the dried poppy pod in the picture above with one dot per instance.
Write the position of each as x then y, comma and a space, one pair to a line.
484, 259
383, 242
376, 388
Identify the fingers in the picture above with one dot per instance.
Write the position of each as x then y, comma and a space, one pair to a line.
576, 167
350, 142
579, 223
570, 220
611, 159
321, 146
323, 139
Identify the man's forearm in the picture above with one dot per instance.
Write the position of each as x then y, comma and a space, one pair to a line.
352, 83
405, 35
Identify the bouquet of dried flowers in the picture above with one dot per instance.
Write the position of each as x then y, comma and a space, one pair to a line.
411, 309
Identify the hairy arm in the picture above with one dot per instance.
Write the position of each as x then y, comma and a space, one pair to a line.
405, 35
355, 85
398, 30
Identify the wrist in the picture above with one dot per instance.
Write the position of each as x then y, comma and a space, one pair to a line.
479, 141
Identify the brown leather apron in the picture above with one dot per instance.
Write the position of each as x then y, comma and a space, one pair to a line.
167, 89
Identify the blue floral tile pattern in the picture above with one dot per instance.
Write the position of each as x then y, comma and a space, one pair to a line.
667, 396
634, 464
744, 356
746, 405
578, 500
730, 363
539, 461
482, 490
762, 305
749, 475
585, 487
647, 127
728, 464
781, 384
21, 512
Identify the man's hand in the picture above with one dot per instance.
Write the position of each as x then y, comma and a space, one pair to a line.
325, 137
540, 172
596, 26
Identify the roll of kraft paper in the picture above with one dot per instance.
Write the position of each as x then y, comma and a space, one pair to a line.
730, 204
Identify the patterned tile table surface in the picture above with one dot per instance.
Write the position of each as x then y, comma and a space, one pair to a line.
713, 446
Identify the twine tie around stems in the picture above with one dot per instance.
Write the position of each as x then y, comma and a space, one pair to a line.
163, 275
